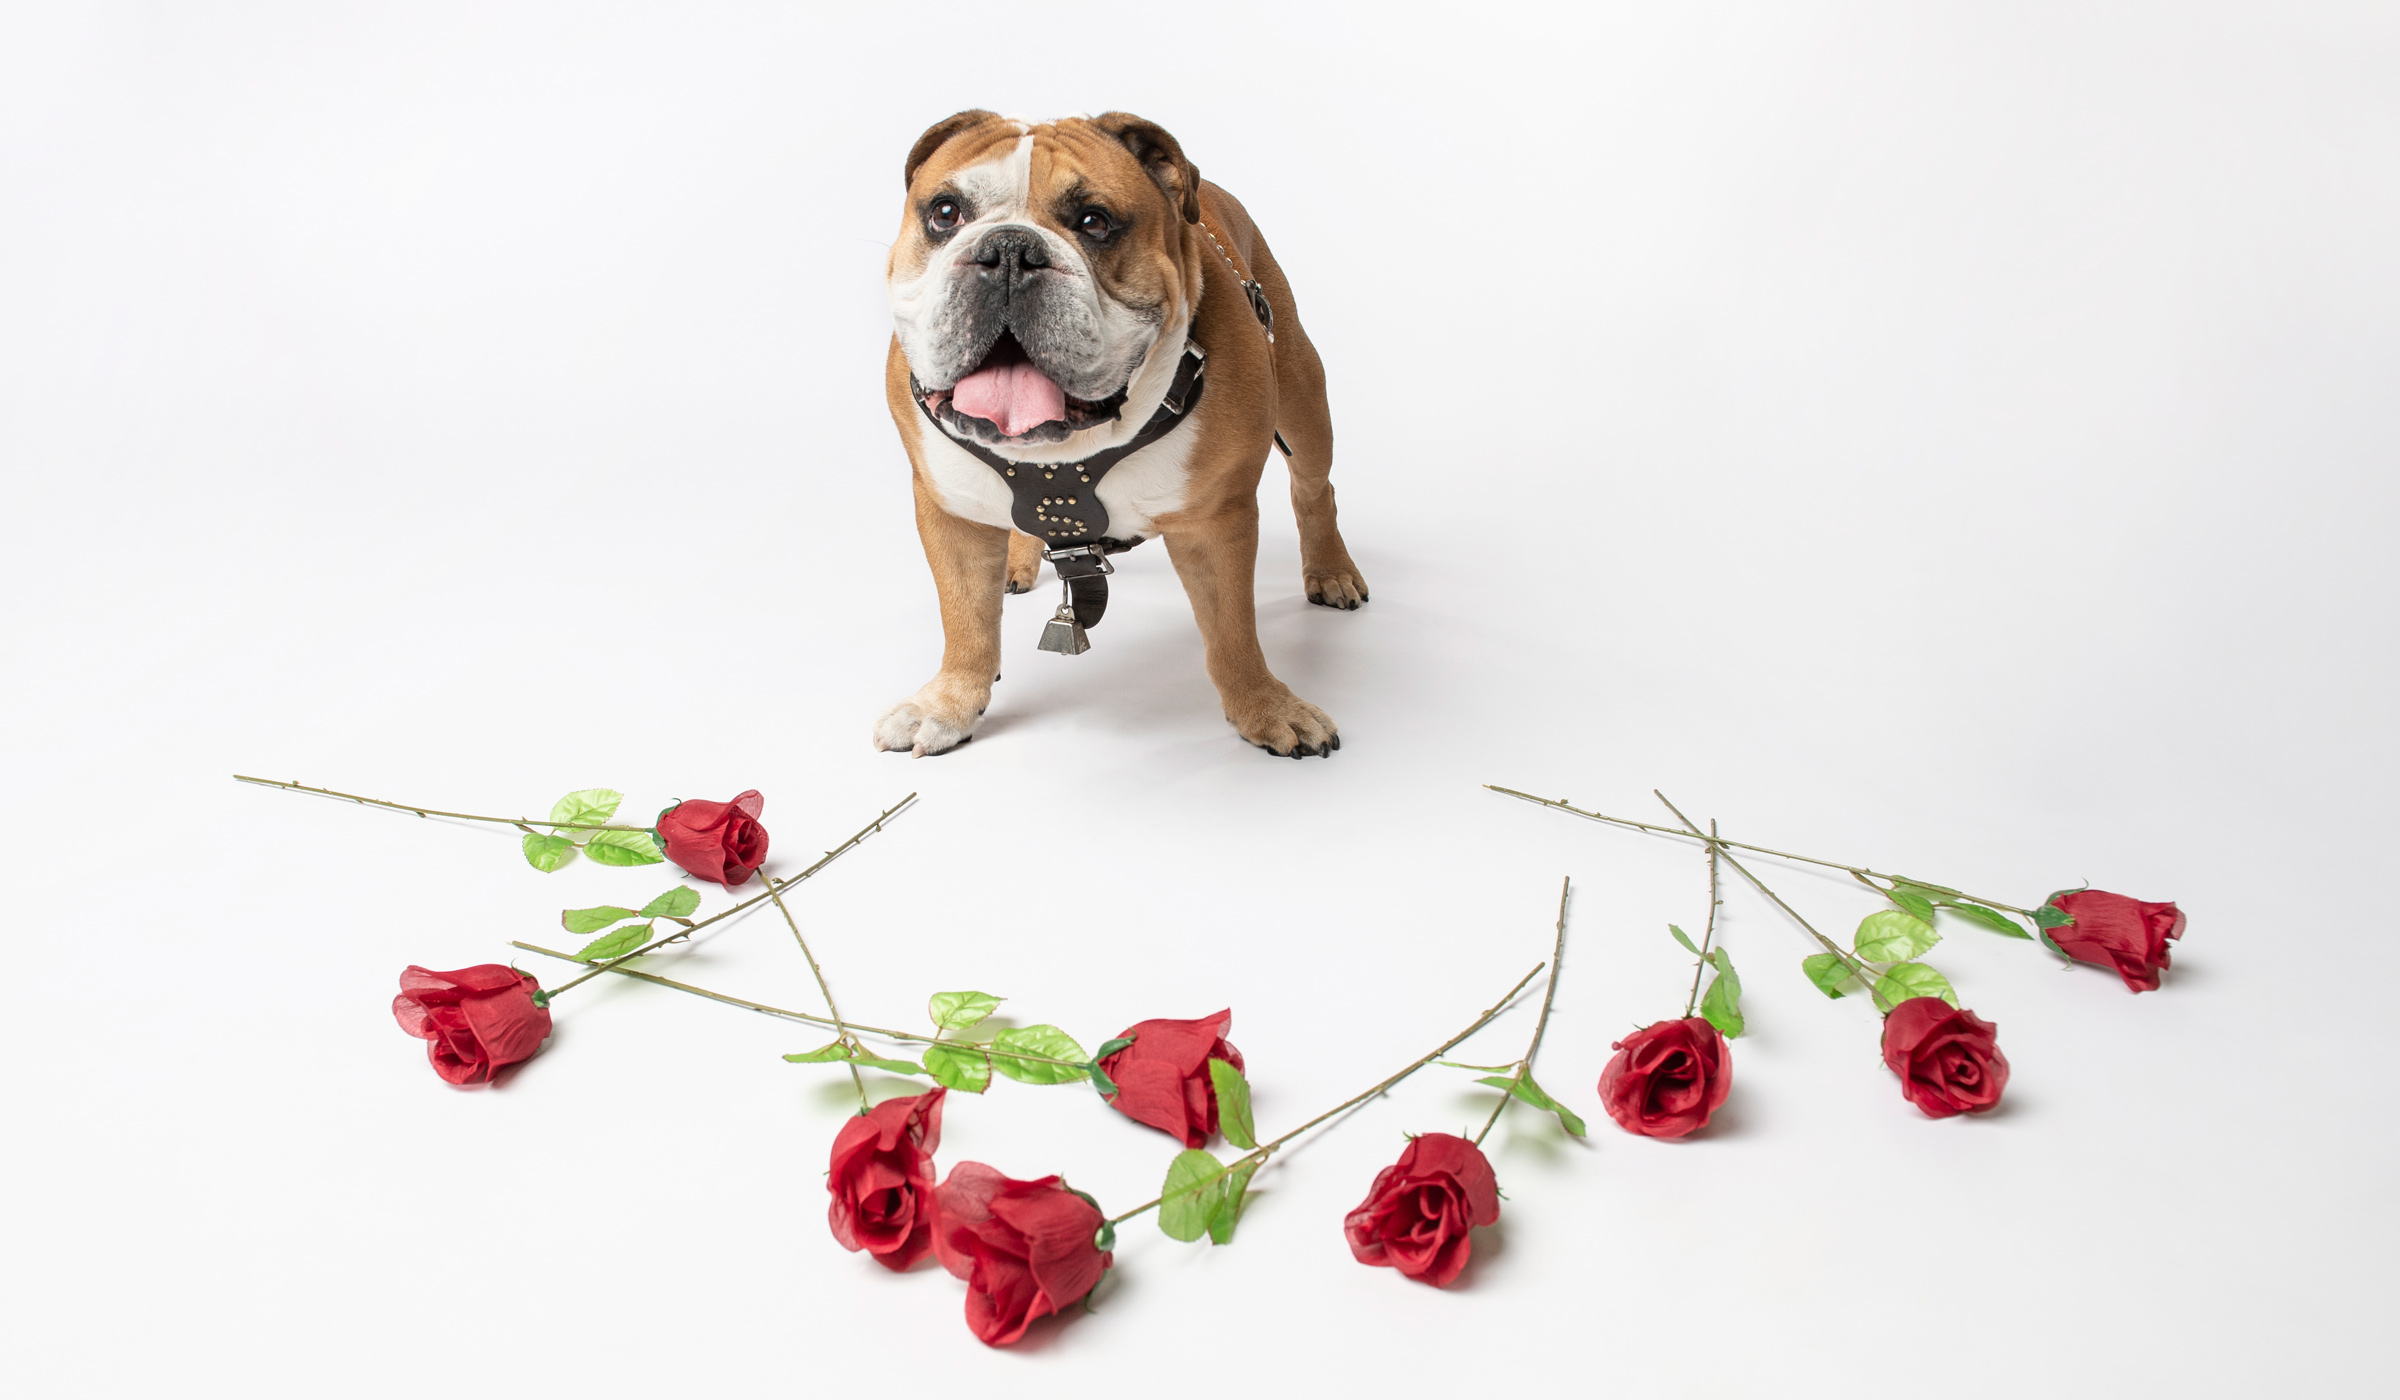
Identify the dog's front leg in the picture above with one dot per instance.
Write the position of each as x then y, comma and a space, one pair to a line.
970, 565
1216, 555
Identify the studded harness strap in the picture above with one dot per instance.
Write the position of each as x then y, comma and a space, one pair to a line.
1058, 503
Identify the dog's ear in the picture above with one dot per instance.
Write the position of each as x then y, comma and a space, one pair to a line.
933, 138
1161, 156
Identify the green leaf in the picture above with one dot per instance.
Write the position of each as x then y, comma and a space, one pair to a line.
955, 1011
893, 1066
623, 848
1102, 1085
1889, 935
1229, 1205
676, 903
1992, 919
1488, 1069
823, 1054
617, 944
1524, 1088
1110, 1047
588, 805
1937, 893
1684, 939
1048, 1042
1913, 979
1722, 1002
962, 1067
596, 918
547, 853
1195, 1189
1830, 973
2050, 916
1233, 1105
1914, 900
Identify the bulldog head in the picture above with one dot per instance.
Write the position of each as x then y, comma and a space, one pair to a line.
1044, 274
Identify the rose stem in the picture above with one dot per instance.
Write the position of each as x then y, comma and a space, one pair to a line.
1261, 1152
523, 823
836, 1012
765, 1010
1558, 952
773, 888
1860, 968
1708, 935
1858, 872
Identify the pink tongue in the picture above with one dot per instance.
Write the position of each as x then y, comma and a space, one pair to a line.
1016, 397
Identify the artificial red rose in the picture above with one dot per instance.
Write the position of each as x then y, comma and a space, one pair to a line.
1667, 1079
1162, 1078
720, 841
1417, 1215
479, 1020
2114, 931
882, 1180
1948, 1060
1025, 1248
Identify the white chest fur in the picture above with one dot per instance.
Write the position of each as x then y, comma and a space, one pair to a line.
1136, 491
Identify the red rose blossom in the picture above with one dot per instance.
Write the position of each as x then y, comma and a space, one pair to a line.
1667, 1079
720, 841
2114, 931
1948, 1060
1162, 1078
1417, 1215
882, 1180
1025, 1248
479, 1020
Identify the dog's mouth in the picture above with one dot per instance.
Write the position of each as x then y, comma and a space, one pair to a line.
1006, 399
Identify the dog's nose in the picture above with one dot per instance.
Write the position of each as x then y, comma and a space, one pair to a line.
1008, 252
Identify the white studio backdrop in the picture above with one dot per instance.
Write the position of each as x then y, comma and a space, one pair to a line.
1955, 439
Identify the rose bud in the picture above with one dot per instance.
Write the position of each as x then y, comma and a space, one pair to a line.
1948, 1060
1667, 1079
882, 1180
2114, 931
1417, 1215
720, 841
1162, 1077
1025, 1248
479, 1020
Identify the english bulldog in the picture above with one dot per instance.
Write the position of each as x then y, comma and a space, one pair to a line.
1092, 347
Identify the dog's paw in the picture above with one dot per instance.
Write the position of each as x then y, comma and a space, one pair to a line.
917, 729
1288, 727
1339, 586
1024, 563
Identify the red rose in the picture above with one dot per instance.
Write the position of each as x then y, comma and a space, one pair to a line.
1025, 1248
1948, 1060
480, 1020
882, 1180
720, 841
1417, 1214
2114, 931
1162, 1078
1667, 1079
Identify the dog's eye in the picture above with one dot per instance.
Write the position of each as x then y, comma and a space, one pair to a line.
1094, 224
944, 216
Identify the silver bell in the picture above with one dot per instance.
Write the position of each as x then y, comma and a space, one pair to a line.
1064, 635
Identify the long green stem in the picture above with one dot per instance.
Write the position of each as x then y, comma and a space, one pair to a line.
774, 888
1263, 1150
1524, 1069
1860, 872
910, 1037
1865, 974
1708, 935
522, 822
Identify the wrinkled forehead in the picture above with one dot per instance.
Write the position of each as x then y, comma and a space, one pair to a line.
1013, 162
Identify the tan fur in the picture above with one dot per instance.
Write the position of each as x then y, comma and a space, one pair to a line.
1253, 391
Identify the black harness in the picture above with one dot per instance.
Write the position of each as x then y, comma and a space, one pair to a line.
1058, 503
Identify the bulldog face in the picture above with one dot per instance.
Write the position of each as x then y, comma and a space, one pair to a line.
1039, 270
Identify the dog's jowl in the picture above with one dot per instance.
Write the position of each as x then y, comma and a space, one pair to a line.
1093, 347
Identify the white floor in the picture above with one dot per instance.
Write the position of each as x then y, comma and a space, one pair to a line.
1961, 444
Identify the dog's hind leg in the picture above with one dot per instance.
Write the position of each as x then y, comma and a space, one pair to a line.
1302, 419
1024, 562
